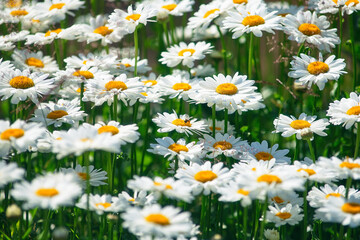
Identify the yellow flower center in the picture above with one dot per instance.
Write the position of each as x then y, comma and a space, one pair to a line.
83, 176
56, 114
167, 186
300, 124
35, 20
283, 14
47, 192
56, 6
21, 82
216, 128
85, 74
283, 215
170, 7
115, 85
307, 170
277, 199
158, 219
265, 156
333, 195
133, 17
190, 50
34, 62
13, 3
356, 2
105, 205
205, 176
131, 200
240, 1
226, 89
178, 148
181, 86
315, 68
352, 208
110, 129
243, 192
253, 20
12, 133
309, 29
103, 30
57, 31
153, 82
349, 165
353, 110
223, 145
144, 94
208, 13
181, 122
268, 178
19, 12
79, 90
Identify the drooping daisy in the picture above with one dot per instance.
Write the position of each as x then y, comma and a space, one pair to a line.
303, 127
177, 86
185, 53
35, 61
204, 178
314, 172
308, 70
9, 172
156, 221
201, 20
307, 26
182, 151
21, 85
225, 144
168, 122
102, 203
63, 111
342, 168
254, 18
19, 136
124, 133
219, 126
291, 214
261, 151
346, 111
50, 191
96, 177
235, 191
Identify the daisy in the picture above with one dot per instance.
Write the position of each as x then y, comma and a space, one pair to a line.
283, 198
203, 71
304, 127
139, 198
19, 136
177, 86
127, 65
156, 221
253, 165
44, 38
181, 124
63, 111
284, 8
35, 61
6, 66
50, 191
254, 18
57, 9
151, 96
7, 42
225, 144
21, 85
185, 53
271, 234
82, 75
123, 133
219, 126
308, 70
216, 10
15, 15
96, 177
9, 172
286, 215
351, 6
204, 178
307, 26
346, 111
343, 168
314, 172
172, 7
235, 191
104, 62
182, 151
317, 197
102, 203
261, 151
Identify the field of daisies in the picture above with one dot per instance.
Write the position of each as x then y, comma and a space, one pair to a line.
179, 119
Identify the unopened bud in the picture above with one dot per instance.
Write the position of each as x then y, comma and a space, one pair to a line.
162, 16
112, 217
13, 212
307, 134
271, 234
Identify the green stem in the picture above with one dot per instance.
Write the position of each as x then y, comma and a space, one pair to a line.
203, 214
356, 154
353, 50
224, 52
301, 48
348, 185
213, 119
166, 31
340, 32
245, 221
251, 49
263, 222
115, 109
82, 95
226, 117
146, 134
57, 52
110, 171
311, 150
305, 211
136, 43
47, 217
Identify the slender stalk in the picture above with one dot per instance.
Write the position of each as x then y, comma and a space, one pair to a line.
166, 31
353, 50
245, 222
263, 222
226, 117
224, 52
57, 52
146, 134
251, 49
136, 43
203, 214
110, 171
339, 82
256, 219
115, 108
82, 95
213, 119
47, 217
356, 154
348, 185
311, 150
305, 211
301, 48
86, 161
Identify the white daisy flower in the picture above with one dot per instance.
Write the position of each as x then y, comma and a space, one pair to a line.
177, 86
96, 177
171, 7
57, 9
284, 8
7, 42
346, 111
317, 197
21, 85
6, 66
168, 122
204, 178
205, 70
261, 151
235, 191
151, 96
63, 111
303, 127
216, 10
253, 165
182, 151
314, 172
35, 61
102, 203
41, 38
92, 60
19, 136
15, 15
307, 26
308, 70
225, 144
82, 75
156, 221
9, 172
139, 198
286, 215
123, 133
185, 53
342, 168
350, 6
50, 191
219, 126
254, 17
283, 198
70, 91
127, 65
